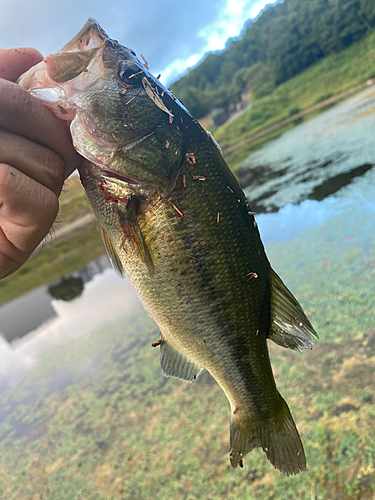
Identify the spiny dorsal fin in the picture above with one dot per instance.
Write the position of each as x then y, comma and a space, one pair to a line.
290, 327
112, 254
175, 364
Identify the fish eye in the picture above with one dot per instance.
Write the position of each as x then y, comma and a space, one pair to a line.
130, 73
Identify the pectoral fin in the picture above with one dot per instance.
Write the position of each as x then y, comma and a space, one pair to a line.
133, 234
112, 254
175, 364
290, 327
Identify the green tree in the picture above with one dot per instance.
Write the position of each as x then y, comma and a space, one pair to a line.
67, 289
286, 38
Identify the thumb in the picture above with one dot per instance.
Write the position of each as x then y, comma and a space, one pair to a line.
14, 62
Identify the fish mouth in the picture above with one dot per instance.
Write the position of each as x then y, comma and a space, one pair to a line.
90, 36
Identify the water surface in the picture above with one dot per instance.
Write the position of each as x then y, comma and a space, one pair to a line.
86, 414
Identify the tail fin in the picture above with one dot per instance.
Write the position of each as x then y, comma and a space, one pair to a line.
278, 437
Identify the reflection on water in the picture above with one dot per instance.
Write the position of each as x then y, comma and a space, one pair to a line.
37, 306
46, 322
314, 160
68, 288
36, 309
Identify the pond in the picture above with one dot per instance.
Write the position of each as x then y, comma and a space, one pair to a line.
86, 414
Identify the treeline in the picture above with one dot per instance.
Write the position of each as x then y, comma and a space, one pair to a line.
285, 39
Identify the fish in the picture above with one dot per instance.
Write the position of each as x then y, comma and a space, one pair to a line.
175, 221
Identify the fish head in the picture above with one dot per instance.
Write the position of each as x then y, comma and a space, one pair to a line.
122, 119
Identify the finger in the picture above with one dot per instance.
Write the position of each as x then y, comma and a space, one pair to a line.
27, 212
14, 62
25, 115
34, 160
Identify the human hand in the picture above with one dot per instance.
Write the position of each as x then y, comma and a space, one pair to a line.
36, 156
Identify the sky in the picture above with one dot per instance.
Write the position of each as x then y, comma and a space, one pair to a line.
173, 35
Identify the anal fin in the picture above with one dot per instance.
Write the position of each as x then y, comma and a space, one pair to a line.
175, 364
290, 327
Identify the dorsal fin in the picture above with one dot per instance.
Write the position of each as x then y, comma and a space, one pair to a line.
290, 327
112, 254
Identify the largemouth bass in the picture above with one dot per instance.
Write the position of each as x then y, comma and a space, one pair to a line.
174, 219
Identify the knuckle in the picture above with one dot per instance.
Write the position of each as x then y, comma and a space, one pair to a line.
45, 202
21, 101
5, 174
49, 207
5, 90
17, 101
55, 170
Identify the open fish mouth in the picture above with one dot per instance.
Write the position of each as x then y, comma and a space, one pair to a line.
100, 173
90, 36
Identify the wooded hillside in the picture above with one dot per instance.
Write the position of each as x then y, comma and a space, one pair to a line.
285, 39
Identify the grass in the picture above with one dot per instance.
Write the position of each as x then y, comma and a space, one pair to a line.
333, 75
118, 430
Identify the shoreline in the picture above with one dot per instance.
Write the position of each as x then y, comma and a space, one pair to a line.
251, 139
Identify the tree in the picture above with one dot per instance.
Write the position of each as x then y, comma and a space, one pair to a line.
286, 38
67, 289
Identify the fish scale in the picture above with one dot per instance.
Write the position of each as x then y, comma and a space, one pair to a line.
175, 221
206, 317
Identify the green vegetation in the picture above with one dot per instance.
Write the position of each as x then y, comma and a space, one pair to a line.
95, 419
284, 40
67, 289
333, 76
267, 66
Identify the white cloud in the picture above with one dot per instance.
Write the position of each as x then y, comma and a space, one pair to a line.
178, 67
228, 23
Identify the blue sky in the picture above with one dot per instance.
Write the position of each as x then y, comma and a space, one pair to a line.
173, 35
